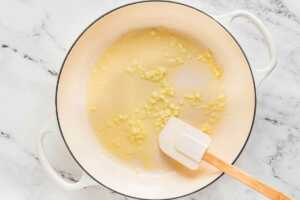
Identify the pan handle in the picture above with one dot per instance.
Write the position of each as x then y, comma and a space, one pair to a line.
85, 180
260, 73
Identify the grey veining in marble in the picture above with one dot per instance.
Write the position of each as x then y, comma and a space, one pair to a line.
34, 38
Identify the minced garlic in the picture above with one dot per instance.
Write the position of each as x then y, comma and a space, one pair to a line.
208, 58
194, 99
137, 96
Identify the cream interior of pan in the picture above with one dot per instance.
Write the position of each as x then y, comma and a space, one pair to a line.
144, 78
229, 135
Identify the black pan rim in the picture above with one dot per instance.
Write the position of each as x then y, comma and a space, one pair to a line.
99, 18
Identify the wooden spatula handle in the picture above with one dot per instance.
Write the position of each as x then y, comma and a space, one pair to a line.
243, 177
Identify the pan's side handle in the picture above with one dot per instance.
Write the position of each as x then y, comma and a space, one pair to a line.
260, 73
84, 181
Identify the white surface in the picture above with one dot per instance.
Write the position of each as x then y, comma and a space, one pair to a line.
34, 38
183, 143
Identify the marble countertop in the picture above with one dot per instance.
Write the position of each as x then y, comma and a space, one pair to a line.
34, 38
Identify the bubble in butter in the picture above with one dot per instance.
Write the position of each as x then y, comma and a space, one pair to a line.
144, 78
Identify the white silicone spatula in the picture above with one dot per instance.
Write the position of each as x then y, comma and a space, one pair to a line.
188, 146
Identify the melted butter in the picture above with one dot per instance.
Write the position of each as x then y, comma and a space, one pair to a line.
144, 78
